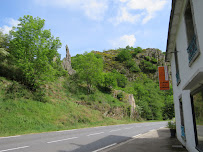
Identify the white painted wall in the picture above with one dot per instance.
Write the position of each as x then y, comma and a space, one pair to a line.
186, 73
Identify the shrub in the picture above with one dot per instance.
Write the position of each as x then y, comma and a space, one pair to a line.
135, 68
147, 58
129, 63
121, 80
172, 124
123, 71
147, 67
136, 51
153, 60
124, 55
120, 96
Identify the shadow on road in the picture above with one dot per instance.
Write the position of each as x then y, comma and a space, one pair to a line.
153, 141
98, 144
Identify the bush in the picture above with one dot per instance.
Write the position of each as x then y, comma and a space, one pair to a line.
121, 80
147, 58
153, 60
172, 124
124, 55
120, 96
123, 71
135, 68
136, 51
147, 67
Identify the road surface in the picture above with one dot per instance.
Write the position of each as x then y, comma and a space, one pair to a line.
77, 140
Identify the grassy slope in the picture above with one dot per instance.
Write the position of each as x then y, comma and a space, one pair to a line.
20, 115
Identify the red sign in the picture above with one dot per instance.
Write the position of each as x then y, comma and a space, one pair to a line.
163, 78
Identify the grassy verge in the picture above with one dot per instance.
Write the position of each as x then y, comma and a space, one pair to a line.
20, 113
27, 116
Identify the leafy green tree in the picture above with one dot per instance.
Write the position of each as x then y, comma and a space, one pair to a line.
149, 97
109, 80
136, 51
3, 51
121, 80
89, 69
33, 50
124, 55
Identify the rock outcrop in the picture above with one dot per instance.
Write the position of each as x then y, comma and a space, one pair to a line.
131, 101
67, 62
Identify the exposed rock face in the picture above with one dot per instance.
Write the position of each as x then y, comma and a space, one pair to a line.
131, 101
67, 62
155, 53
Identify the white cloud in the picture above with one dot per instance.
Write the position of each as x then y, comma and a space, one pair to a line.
125, 16
147, 10
123, 41
93, 9
10, 23
5, 29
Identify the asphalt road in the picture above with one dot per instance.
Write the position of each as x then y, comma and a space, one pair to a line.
77, 140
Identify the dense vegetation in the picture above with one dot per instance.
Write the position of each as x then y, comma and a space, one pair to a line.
37, 94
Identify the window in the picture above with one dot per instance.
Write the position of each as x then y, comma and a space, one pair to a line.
197, 104
191, 37
182, 120
177, 67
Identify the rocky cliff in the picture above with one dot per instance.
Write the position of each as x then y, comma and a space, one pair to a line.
67, 62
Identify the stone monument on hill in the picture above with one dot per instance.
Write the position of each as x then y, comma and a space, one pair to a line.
67, 62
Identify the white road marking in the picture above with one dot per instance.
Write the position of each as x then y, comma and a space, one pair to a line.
99, 127
136, 135
114, 130
9, 137
95, 134
129, 128
152, 130
14, 148
104, 147
66, 130
61, 140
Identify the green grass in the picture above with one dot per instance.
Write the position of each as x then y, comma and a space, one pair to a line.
21, 114
28, 116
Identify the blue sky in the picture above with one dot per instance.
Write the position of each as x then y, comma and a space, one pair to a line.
87, 25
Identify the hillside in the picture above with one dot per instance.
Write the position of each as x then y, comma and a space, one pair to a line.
66, 102
40, 92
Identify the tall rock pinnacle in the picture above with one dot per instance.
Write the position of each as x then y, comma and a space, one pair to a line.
67, 62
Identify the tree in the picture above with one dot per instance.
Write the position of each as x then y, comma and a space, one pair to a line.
89, 69
124, 55
137, 50
3, 51
33, 49
109, 80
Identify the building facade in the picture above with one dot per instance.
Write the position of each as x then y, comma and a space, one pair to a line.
185, 54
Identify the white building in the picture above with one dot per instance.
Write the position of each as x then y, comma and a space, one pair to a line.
185, 53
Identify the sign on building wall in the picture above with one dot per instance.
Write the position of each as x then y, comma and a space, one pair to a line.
163, 78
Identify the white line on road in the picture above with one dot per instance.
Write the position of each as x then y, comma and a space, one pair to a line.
104, 147
99, 127
9, 137
66, 130
61, 140
152, 130
95, 134
114, 130
129, 128
136, 136
14, 148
